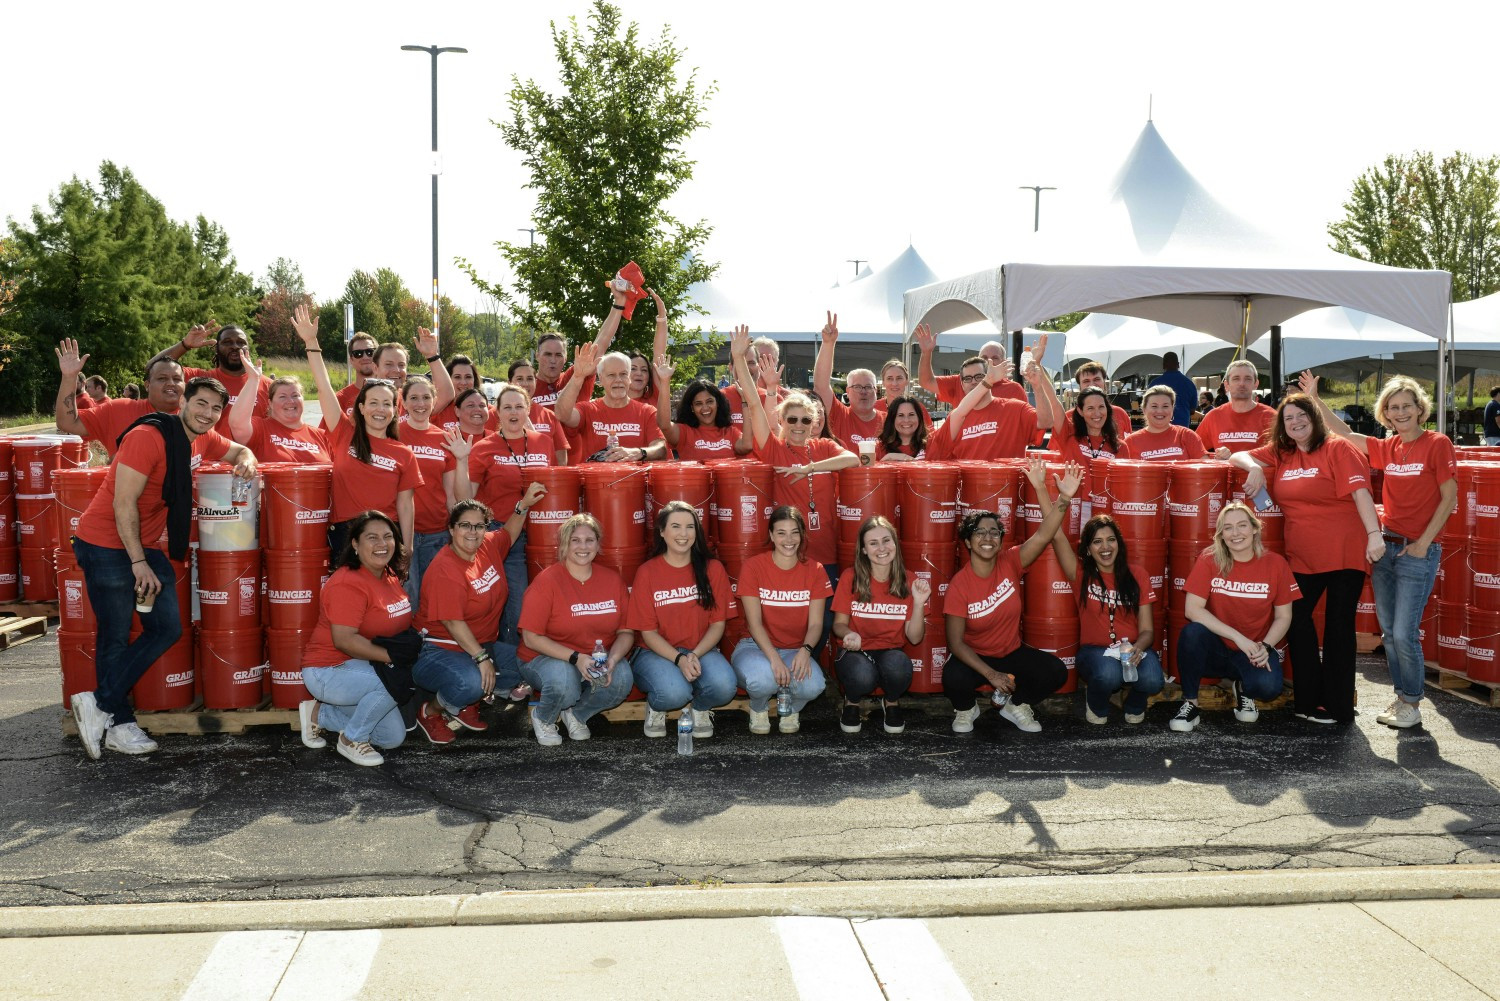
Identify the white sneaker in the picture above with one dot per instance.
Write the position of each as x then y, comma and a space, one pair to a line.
546, 733
1401, 714
760, 721
1021, 716
963, 719
361, 753
1088, 714
703, 722
656, 723
92, 722
576, 729
128, 738
1135, 717
790, 723
312, 734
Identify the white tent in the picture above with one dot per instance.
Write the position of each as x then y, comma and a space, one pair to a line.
1165, 250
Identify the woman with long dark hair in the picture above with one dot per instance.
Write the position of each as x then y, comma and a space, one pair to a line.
878, 608
678, 605
346, 670
903, 435
1088, 430
702, 429
1115, 626
1333, 536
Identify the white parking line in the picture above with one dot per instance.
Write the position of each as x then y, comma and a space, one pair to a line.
826, 960
244, 966
909, 962
330, 966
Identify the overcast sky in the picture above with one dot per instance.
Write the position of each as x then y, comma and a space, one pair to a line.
838, 130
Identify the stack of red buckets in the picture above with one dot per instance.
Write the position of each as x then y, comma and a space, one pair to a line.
33, 459
1464, 611
615, 494
742, 507
10, 554
295, 500
231, 645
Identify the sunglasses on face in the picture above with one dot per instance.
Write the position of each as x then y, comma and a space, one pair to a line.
799, 420
362, 353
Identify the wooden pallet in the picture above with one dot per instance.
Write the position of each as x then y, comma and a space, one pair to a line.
30, 609
198, 721
15, 630
1483, 693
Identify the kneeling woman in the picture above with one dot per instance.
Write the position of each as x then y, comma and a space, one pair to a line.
463, 596
1239, 606
1114, 621
678, 605
571, 609
982, 611
782, 593
347, 672
877, 609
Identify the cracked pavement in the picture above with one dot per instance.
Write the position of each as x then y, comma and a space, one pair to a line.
259, 816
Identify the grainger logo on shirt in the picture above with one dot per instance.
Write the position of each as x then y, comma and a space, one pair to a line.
1161, 453
1228, 436
294, 444
428, 452
1239, 588
784, 599
594, 607
399, 607
677, 595
525, 459
379, 461
604, 430
1309, 473
722, 445
486, 581
990, 602
1406, 469
878, 610
980, 430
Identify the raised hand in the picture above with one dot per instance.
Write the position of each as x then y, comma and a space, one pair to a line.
926, 339
1069, 482
458, 443
664, 369
739, 342
1308, 383
199, 335
921, 589
427, 342
1036, 474
305, 323
68, 359
661, 307
249, 363
585, 359
831, 328
997, 372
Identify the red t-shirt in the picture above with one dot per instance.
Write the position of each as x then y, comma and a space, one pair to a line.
1122, 421
497, 465
273, 441
145, 451
373, 606
737, 401
1000, 430
849, 428
881, 451
664, 599
1221, 427
1093, 613
816, 496
473, 592
990, 606
106, 422
433, 460
1315, 491
234, 383
785, 596
1245, 598
547, 392
547, 424
1081, 450
705, 442
1170, 445
951, 390
350, 393
359, 486
1413, 473
634, 425
881, 621
83, 401
572, 612
447, 419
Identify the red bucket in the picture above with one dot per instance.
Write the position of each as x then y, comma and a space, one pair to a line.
231, 663
1196, 493
1138, 497
294, 580
74, 613
1453, 571
73, 489
10, 574
936, 562
742, 502
75, 651
865, 491
168, 683
1149, 563
993, 487
928, 658
7, 521
1486, 513
1482, 645
615, 493
1484, 572
296, 499
7, 472
284, 659
927, 493
1058, 637
734, 631
1427, 629
1452, 641
1048, 593
625, 561
1033, 511
561, 502
34, 459
1461, 522
1365, 619
690, 482
229, 592
39, 574
35, 528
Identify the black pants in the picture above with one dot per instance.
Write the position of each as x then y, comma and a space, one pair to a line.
1325, 682
862, 671
1038, 675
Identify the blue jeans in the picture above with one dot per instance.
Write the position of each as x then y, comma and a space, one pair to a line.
666, 689
1402, 585
559, 686
450, 674
860, 672
753, 670
516, 580
1202, 654
119, 663
355, 703
1103, 676
427, 545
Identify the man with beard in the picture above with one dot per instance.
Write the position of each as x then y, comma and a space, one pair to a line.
230, 370
105, 422
1240, 424
362, 355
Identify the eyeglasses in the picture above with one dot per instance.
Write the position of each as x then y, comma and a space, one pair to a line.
362, 353
986, 533
379, 382
969, 380
798, 420
469, 526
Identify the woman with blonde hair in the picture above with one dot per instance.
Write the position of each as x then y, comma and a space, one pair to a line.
1161, 440
1239, 606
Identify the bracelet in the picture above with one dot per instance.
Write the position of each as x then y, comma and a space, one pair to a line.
483, 656
434, 358
643, 456
134, 562
616, 305
1374, 531
520, 510
313, 351
809, 648
677, 660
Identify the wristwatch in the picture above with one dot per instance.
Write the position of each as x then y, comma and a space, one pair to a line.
435, 358
520, 509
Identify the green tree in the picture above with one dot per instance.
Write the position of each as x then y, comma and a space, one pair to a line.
1420, 212
604, 156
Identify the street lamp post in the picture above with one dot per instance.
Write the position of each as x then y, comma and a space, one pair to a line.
1036, 220
434, 51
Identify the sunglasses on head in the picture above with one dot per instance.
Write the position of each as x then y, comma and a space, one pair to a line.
799, 420
362, 353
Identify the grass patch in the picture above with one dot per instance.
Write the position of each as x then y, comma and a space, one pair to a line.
21, 420
274, 367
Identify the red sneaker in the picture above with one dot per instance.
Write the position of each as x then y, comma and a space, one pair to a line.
437, 726
468, 718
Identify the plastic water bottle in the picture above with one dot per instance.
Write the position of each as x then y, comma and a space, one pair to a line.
598, 668
685, 731
612, 442
784, 700
1000, 699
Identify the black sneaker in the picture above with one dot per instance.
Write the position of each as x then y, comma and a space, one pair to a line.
849, 722
895, 722
1186, 718
1244, 705
1318, 715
